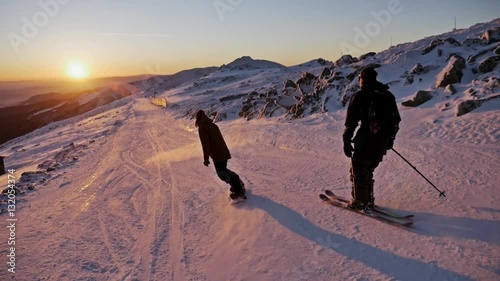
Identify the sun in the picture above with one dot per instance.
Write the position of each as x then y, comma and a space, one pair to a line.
77, 70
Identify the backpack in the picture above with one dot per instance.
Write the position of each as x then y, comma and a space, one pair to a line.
381, 121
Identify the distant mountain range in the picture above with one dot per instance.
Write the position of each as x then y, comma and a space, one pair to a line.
38, 110
15, 92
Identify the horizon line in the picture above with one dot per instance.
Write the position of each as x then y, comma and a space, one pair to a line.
135, 34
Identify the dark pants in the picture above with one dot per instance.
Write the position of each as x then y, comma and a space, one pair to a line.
2, 167
229, 177
362, 178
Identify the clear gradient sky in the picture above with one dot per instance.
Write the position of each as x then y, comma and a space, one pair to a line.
39, 38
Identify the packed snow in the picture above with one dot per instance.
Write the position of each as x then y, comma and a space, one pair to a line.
121, 192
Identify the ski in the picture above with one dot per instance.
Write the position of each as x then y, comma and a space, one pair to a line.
377, 209
376, 216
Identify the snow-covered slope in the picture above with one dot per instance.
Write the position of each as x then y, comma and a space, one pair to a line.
161, 83
457, 69
120, 193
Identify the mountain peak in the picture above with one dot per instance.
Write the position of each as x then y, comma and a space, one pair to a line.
248, 63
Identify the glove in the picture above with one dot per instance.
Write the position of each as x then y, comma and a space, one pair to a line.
390, 143
206, 163
348, 149
346, 138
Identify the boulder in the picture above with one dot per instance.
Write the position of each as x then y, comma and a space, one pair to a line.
491, 36
450, 89
418, 69
409, 79
289, 84
420, 98
452, 41
452, 72
367, 55
306, 78
488, 64
305, 83
325, 73
469, 105
432, 46
472, 58
286, 102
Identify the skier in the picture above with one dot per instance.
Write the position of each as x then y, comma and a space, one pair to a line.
215, 147
376, 108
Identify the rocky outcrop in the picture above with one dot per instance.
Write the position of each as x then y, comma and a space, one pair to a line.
418, 69
452, 41
345, 59
322, 61
325, 73
420, 98
488, 64
358, 70
289, 84
471, 41
295, 99
450, 89
306, 78
452, 73
491, 36
305, 83
367, 55
432, 46
469, 105
439, 42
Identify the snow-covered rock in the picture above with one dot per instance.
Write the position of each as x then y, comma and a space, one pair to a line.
469, 105
420, 98
452, 72
491, 36
488, 64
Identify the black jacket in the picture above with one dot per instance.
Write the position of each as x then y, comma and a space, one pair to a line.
367, 144
212, 142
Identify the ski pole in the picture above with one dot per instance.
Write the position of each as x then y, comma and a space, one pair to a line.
441, 193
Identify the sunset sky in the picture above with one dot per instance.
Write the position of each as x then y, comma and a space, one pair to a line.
46, 39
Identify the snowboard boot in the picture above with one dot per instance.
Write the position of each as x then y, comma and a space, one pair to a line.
236, 196
239, 191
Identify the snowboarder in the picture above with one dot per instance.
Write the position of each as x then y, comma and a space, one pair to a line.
377, 110
215, 147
